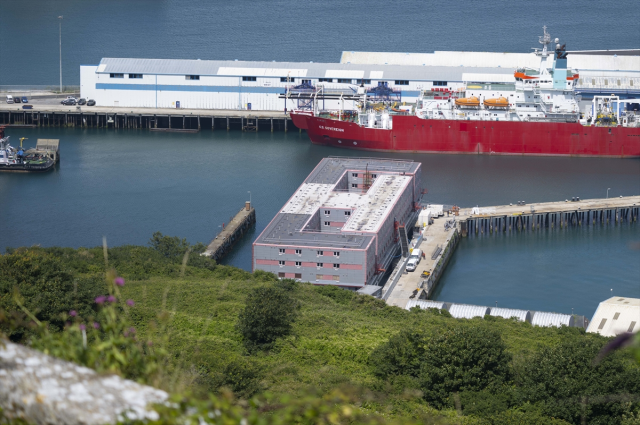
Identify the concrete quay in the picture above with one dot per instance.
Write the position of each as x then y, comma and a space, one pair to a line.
55, 115
439, 240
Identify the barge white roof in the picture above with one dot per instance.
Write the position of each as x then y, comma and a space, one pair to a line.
369, 210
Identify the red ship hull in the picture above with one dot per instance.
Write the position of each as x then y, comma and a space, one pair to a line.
413, 134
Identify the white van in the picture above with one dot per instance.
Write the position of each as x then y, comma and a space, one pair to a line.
9, 98
414, 260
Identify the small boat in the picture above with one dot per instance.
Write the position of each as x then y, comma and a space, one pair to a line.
41, 159
497, 102
472, 102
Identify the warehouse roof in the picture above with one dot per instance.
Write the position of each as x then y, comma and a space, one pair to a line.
616, 315
293, 69
508, 313
492, 60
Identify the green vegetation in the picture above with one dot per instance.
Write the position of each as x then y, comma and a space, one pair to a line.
270, 351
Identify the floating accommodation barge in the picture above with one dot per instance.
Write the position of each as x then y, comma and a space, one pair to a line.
343, 224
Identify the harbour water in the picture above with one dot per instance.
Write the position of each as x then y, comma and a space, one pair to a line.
128, 184
287, 30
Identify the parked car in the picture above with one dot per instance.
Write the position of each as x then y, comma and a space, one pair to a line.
91, 102
16, 99
71, 97
82, 101
9, 98
24, 99
69, 102
412, 264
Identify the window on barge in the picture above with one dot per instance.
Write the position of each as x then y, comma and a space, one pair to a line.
402, 82
192, 77
135, 75
248, 78
287, 80
112, 75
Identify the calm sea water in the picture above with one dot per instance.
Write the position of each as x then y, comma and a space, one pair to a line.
128, 184
289, 30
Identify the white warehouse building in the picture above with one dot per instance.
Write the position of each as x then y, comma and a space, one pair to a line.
209, 84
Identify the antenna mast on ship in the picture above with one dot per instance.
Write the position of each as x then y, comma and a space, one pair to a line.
545, 40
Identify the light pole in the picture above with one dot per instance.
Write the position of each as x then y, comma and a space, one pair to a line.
60, 33
249, 196
608, 189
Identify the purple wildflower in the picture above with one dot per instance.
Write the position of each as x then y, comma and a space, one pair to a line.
101, 299
119, 281
96, 325
130, 303
149, 343
111, 299
83, 327
132, 330
73, 313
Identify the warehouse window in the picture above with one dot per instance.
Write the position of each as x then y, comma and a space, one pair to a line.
615, 316
354, 185
287, 80
319, 264
248, 78
116, 75
322, 252
298, 263
298, 275
327, 223
135, 75
602, 324
365, 81
281, 250
299, 251
354, 174
345, 80
325, 80
347, 213
281, 263
327, 212
192, 77
631, 326
336, 266
281, 274
439, 83
402, 82
336, 253
306, 82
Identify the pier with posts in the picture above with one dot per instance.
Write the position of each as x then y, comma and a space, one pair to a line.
231, 233
440, 239
172, 120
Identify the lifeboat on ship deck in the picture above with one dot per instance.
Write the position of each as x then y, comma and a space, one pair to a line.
469, 102
497, 102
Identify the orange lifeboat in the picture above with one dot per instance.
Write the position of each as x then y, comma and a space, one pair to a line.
498, 102
468, 101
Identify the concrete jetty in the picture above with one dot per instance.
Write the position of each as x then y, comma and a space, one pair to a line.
52, 115
552, 215
231, 233
439, 240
